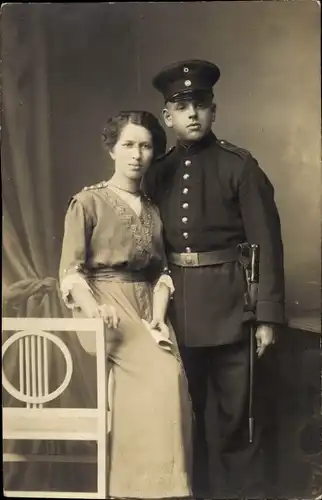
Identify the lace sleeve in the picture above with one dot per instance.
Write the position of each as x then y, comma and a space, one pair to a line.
77, 234
66, 287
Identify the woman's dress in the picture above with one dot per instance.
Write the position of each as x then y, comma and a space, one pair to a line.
119, 255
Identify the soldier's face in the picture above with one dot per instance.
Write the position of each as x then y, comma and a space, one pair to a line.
190, 119
133, 152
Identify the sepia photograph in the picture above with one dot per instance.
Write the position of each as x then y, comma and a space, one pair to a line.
161, 250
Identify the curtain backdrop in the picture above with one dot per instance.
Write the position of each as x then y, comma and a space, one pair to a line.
30, 254
65, 68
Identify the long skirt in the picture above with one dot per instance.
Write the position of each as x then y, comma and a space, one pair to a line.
150, 450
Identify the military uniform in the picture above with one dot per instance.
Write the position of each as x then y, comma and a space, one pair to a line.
212, 196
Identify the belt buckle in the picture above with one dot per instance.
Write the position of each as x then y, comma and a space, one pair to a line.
191, 259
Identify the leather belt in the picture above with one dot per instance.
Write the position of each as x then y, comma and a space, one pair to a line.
193, 259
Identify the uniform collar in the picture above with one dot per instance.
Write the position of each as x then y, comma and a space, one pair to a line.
195, 147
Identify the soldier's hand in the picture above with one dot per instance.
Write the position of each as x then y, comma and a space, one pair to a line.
264, 337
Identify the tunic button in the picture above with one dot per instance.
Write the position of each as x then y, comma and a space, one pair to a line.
187, 163
185, 235
186, 176
185, 190
185, 205
188, 249
184, 220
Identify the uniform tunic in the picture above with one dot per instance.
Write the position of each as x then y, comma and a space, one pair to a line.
213, 195
119, 255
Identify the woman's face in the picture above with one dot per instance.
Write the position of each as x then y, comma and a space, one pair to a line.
133, 152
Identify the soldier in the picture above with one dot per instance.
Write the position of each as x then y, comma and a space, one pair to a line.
213, 196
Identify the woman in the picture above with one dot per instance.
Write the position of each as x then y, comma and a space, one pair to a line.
113, 266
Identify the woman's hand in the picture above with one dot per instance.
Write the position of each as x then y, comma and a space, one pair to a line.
107, 313
159, 324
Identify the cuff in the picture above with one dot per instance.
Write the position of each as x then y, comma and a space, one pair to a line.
270, 313
167, 280
66, 287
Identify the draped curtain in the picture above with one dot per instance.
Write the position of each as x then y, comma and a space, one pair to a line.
30, 251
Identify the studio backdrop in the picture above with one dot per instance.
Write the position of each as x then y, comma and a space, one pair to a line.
67, 67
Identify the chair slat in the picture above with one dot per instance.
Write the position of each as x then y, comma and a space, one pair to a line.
46, 365
33, 368
47, 424
40, 369
21, 366
27, 368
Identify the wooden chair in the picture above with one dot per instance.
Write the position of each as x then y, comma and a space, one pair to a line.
35, 421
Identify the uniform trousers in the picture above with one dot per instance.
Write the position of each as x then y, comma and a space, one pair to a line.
225, 463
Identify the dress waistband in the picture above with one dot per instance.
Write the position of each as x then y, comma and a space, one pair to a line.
110, 274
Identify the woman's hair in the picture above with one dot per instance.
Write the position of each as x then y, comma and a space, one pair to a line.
114, 126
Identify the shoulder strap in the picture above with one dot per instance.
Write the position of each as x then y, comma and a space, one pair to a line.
232, 148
